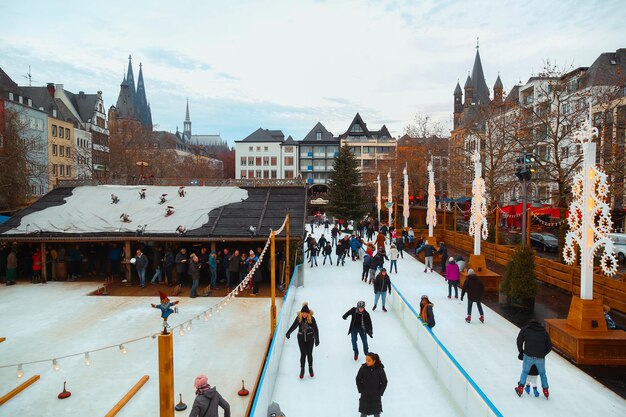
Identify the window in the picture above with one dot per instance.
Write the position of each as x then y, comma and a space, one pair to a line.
259, 173
68, 170
67, 152
258, 149
319, 151
250, 173
250, 148
54, 131
243, 161
251, 160
274, 174
288, 149
273, 161
55, 171
289, 174
318, 135
266, 161
60, 132
62, 170
258, 161
54, 150
289, 161
40, 125
32, 123
265, 149
67, 133
61, 150
356, 128
266, 174
243, 173
565, 152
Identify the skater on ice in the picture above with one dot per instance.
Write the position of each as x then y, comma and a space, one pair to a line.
360, 325
166, 309
474, 288
207, 400
142, 194
371, 382
114, 199
452, 277
426, 312
181, 192
382, 285
531, 380
308, 335
533, 344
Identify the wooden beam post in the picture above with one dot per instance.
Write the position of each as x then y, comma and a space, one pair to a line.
127, 256
166, 375
454, 218
130, 394
528, 221
444, 220
44, 259
287, 260
273, 285
497, 223
30, 381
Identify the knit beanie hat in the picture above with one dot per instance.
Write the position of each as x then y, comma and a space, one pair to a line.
305, 307
360, 304
200, 381
470, 271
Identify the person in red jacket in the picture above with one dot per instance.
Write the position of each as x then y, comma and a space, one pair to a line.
37, 267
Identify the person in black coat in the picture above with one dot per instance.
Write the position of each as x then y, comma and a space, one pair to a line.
361, 325
382, 285
533, 344
400, 245
443, 251
371, 382
474, 288
340, 251
308, 335
328, 252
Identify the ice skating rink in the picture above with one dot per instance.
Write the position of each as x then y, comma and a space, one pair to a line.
58, 319
487, 352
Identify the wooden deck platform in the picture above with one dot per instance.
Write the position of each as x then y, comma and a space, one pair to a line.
490, 279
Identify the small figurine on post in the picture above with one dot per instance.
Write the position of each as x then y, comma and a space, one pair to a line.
169, 211
166, 309
125, 218
142, 194
181, 230
181, 191
162, 199
114, 199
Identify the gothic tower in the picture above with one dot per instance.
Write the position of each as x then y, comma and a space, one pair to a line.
187, 124
458, 105
498, 90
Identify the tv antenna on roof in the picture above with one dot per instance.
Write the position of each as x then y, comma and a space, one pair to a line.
29, 77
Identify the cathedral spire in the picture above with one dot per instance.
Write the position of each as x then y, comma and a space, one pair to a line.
130, 78
141, 103
479, 86
187, 124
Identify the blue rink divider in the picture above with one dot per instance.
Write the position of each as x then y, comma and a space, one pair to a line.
265, 390
472, 401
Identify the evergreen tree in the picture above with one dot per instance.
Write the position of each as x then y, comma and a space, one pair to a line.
345, 194
520, 279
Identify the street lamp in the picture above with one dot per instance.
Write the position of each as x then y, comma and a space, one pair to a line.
524, 170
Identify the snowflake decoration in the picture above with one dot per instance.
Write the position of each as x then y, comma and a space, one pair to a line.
478, 218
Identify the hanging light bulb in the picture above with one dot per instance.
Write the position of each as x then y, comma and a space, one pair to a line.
87, 359
182, 330
189, 326
20, 371
55, 365
123, 349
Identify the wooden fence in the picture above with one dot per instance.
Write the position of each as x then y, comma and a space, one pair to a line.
567, 277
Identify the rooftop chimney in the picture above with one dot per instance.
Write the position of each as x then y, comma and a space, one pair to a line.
51, 89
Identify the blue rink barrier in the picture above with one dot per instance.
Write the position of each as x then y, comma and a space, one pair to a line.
267, 382
465, 392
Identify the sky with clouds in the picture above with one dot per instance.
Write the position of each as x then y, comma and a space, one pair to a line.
286, 64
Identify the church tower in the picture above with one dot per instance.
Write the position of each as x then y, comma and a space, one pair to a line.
458, 105
187, 124
130, 79
498, 90
469, 93
141, 103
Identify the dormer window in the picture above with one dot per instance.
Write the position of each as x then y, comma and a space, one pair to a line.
318, 136
356, 128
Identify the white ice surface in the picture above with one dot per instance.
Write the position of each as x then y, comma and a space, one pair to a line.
56, 319
89, 209
486, 351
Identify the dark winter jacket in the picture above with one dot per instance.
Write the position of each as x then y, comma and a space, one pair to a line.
328, 250
533, 340
443, 251
474, 288
428, 315
366, 261
194, 269
181, 266
141, 262
306, 331
257, 277
313, 250
211, 399
378, 260
371, 381
322, 242
382, 285
400, 243
427, 249
334, 231
339, 251
359, 320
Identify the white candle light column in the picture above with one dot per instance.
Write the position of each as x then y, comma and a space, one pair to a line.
589, 215
405, 203
379, 200
478, 220
431, 213
389, 197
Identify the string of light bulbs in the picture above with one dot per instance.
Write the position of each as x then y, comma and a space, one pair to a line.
185, 325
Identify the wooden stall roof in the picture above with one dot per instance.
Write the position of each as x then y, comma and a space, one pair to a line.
265, 209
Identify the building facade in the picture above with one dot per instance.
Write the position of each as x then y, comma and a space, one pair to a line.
265, 154
318, 151
368, 146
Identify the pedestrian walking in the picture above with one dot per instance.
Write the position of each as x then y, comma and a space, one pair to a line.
443, 251
426, 312
360, 325
308, 335
141, 263
207, 400
533, 344
452, 277
194, 273
474, 288
371, 382
393, 258
327, 251
382, 285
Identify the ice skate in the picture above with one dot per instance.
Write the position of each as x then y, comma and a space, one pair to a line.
468, 318
482, 319
519, 390
546, 393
